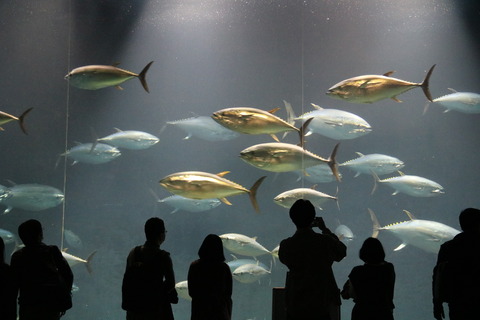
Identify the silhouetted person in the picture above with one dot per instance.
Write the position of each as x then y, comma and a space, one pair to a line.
371, 285
43, 276
148, 287
456, 276
210, 282
311, 290
8, 290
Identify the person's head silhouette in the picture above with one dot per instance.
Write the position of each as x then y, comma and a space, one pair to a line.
212, 249
155, 230
302, 213
372, 251
30, 232
470, 220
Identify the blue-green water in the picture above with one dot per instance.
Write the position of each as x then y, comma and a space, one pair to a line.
211, 55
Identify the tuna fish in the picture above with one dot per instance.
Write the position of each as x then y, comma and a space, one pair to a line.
182, 290
73, 260
31, 197
8, 237
190, 205
424, 234
90, 153
95, 77
344, 233
249, 273
318, 174
412, 185
72, 239
244, 245
235, 263
254, 121
130, 139
5, 118
335, 124
204, 128
284, 157
373, 88
466, 102
375, 162
203, 185
287, 199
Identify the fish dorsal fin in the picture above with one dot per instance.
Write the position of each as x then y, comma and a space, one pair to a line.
118, 130
255, 238
409, 214
224, 200
396, 99
389, 73
274, 137
360, 154
272, 111
64, 249
316, 106
400, 247
401, 173
118, 87
234, 256
314, 187
453, 90
223, 173
115, 64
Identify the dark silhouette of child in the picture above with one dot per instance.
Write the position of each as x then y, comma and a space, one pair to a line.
371, 285
148, 287
42, 274
8, 290
210, 282
456, 276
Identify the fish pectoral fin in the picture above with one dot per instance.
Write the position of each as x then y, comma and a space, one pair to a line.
395, 193
118, 87
396, 99
400, 247
224, 200
389, 73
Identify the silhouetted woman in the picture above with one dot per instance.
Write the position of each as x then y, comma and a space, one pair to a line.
210, 282
8, 290
371, 285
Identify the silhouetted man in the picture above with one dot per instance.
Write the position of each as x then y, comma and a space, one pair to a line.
311, 289
149, 283
456, 277
43, 276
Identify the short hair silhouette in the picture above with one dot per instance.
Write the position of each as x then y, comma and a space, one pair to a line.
153, 228
302, 213
372, 251
470, 219
212, 249
30, 232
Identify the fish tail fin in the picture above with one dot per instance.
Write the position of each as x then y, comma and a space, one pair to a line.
376, 224
142, 76
426, 108
376, 179
89, 259
302, 130
253, 193
332, 163
425, 84
21, 120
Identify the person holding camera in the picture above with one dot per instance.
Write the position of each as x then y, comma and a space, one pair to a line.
311, 289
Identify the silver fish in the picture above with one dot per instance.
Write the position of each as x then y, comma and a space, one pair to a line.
242, 244
412, 185
466, 102
344, 233
130, 139
7, 236
317, 174
90, 153
95, 77
235, 263
375, 162
31, 197
253, 121
424, 234
190, 205
74, 260
203, 185
204, 128
284, 157
335, 124
373, 88
72, 239
249, 273
182, 290
288, 198
6, 117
